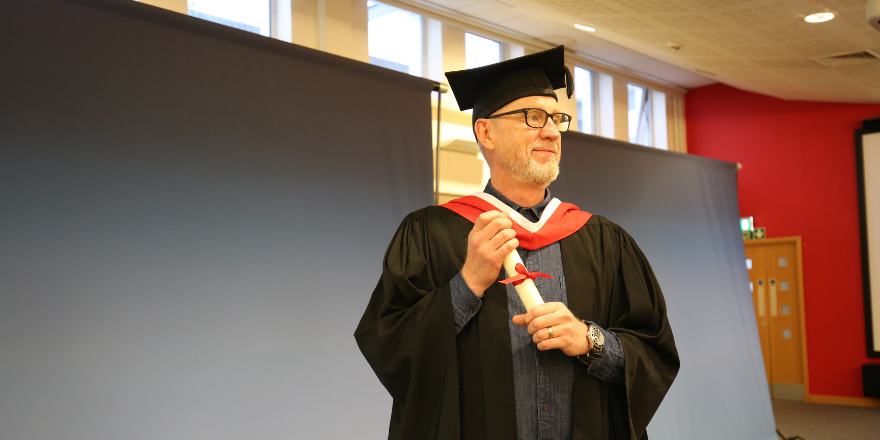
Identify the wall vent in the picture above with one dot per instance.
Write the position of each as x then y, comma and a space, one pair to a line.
847, 58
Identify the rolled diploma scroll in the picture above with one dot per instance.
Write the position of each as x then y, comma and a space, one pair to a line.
526, 290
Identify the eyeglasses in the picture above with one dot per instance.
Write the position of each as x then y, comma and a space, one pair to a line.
537, 118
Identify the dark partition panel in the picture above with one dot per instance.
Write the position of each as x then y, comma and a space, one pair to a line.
682, 210
191, 220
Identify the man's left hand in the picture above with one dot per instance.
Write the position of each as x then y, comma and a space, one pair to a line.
569, 333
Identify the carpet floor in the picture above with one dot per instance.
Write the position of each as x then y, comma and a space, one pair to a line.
813, 421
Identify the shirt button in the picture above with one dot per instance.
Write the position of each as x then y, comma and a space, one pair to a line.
470, 310
543, 361
545, 406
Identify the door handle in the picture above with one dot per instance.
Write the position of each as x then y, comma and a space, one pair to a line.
773, 307
762, 308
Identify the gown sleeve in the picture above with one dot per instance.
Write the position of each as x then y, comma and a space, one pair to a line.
407, 333
610, 366
465, 304
640, 322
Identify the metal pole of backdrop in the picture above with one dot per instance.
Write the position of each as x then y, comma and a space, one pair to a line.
440, 88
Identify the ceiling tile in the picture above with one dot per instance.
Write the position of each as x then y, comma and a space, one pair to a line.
758, 45
532, 26
491, 11
455, 4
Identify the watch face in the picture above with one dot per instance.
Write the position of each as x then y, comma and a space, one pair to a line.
598, 340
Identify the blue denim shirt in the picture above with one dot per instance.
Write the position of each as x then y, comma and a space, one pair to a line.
543, 381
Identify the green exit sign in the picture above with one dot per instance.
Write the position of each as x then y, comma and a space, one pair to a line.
757, 234
747, 226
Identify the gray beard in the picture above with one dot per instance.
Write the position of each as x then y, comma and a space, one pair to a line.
527, 170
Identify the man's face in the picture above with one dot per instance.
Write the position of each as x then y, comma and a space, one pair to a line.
530, 155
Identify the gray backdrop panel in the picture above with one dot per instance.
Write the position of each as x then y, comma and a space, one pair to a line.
682, 211
192, 220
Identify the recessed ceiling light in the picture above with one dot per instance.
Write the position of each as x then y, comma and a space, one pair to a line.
585, 28
819, 17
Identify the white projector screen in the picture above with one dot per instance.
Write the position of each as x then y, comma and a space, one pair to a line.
868, 146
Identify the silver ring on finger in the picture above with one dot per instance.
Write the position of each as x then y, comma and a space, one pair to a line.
550, 332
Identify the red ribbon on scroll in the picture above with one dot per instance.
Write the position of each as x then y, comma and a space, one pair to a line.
523, 275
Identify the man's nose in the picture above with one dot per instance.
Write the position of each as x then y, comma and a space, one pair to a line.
550, 130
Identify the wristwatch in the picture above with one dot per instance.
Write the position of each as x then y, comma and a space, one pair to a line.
597, 343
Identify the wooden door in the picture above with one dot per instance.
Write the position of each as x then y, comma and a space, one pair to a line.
776, 282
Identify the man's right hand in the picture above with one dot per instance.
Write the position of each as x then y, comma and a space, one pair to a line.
489, 242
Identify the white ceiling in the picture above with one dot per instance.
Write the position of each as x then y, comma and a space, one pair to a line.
764, 46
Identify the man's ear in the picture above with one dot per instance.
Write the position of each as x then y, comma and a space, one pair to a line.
483, 129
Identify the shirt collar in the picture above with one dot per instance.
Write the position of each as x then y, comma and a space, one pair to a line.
532, 213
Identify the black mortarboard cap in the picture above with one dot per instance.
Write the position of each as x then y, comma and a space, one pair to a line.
488, 88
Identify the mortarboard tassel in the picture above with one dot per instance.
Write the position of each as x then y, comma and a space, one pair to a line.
569, 82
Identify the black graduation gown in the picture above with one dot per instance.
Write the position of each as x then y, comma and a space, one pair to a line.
461, 387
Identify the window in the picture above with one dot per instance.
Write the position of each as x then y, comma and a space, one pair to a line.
479, 51
658, 120
394, 38
583, 92
639, 116
248, 15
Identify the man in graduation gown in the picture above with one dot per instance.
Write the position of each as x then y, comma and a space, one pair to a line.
456, 349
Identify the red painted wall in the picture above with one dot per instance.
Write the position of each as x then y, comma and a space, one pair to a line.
799, 178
